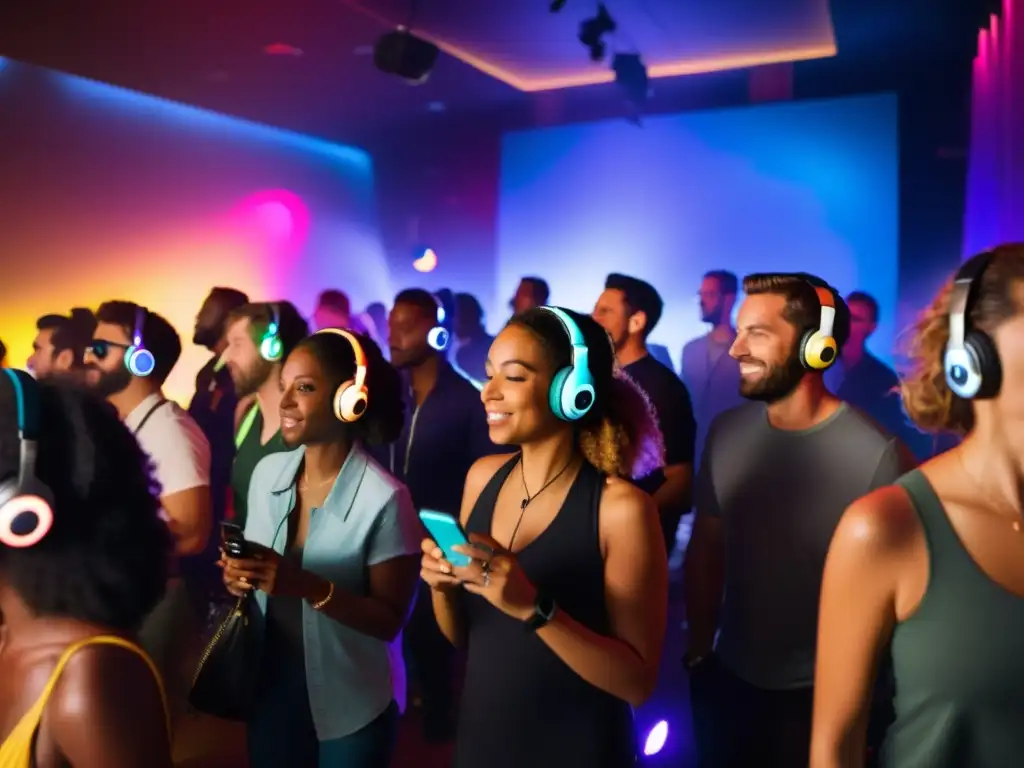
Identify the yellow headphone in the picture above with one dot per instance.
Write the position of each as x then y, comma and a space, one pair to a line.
351, 397
818, 349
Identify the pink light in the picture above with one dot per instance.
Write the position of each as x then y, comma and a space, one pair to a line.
274, 222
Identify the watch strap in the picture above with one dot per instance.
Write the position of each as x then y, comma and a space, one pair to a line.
544, 609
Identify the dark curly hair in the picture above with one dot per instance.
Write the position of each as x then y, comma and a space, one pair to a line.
619, 435
385, 412
105, 560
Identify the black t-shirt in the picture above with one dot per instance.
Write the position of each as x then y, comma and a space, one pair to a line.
671, 402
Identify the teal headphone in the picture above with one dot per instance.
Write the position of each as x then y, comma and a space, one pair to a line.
572, 388
271, 347
26, 512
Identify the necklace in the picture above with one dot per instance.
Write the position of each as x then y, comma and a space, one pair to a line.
530, 497
306, 484
1002, 507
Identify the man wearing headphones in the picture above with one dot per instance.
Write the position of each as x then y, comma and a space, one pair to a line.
132, 352
774, 479
445, 433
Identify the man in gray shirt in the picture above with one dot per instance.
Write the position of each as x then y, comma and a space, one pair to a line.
776, 475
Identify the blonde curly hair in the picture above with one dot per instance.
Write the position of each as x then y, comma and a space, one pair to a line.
927, 398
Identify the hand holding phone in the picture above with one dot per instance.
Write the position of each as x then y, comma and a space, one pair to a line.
232, 538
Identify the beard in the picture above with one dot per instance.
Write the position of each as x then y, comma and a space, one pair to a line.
777, 382
248, 382
108, 382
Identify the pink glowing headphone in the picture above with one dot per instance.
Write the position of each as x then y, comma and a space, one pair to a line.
26, 514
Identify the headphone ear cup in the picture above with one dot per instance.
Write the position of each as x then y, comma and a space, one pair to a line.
14, 508
270, 348
350, 402
438, 338
139, 361
982, 350
555, 393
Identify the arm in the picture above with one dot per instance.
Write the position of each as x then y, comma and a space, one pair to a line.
107, 712
625, 663
855, 623
446, 603
704, 566
185, 484
191, 518
393, 575
674, 493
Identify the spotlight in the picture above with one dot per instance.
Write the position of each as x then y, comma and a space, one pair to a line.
402, 53
425, 260
592, 32
631, 76
656, 738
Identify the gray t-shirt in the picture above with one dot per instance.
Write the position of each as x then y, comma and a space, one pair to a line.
780, 495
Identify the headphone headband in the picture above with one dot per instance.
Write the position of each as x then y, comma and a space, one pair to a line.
140, 322
965, 288
571, 329
827, 300
275, 317
357, 351
572, 388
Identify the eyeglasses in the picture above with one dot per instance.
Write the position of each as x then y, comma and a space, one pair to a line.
100, 348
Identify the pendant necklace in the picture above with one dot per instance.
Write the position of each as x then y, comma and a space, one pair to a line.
526, 501
999, 505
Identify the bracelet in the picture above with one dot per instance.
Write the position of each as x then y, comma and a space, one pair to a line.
320, 604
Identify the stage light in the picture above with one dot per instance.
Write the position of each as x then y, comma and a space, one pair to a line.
656, 738
426, 261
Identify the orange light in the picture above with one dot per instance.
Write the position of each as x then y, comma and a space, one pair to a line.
823, 48
427, 262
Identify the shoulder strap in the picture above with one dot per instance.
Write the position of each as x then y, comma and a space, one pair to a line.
30, 722
489, 495
153, 409
939, 533
246, 425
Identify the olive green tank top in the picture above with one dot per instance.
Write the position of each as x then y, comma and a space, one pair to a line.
958, 660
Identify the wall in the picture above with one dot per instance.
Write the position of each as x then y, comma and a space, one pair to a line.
111, 194
802, 186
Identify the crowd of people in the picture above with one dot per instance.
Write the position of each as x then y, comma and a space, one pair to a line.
845, 606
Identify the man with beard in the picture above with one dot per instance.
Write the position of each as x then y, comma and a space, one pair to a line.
444, 433
131, 354
711, 376
60, 342
774, 480
257, 385
629, 309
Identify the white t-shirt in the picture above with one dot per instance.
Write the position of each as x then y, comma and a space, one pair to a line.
174, 443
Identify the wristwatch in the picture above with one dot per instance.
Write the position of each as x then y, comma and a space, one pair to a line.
544, 609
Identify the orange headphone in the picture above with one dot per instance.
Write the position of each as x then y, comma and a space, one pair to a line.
351, 397
818, 349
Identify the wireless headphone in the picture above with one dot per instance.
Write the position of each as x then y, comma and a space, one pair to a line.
572, 388
26, 495
271, 347
351, 397
439, 336
971, 362
818, 349
137, 359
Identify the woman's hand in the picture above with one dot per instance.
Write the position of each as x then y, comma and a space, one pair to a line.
435, 570
496, 576
265, 570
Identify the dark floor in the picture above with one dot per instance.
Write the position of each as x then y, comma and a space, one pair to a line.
208, 743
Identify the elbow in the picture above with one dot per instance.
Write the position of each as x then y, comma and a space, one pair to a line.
191, 544
643, 687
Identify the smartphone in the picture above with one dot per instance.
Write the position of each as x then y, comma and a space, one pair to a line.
232, 536
447, 532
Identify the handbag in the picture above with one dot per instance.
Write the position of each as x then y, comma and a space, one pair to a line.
224, 684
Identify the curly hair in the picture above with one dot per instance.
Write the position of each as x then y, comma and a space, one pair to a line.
105, 560
927, 398
619, 435
385, 411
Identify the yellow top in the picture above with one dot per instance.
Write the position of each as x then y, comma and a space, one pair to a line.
16, 751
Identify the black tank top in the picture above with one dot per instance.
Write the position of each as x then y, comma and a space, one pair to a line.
522, 707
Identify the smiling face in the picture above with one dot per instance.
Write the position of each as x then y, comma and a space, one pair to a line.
519, 375
307, 401
105, 370
766, 348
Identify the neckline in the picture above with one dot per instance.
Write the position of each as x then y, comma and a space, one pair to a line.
558, 515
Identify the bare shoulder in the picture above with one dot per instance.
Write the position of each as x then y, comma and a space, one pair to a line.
105, 672
485, 467
625, 507
881, 524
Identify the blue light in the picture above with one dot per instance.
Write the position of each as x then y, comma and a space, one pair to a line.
114, 97
3, 63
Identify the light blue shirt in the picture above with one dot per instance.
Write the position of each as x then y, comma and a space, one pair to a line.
366, 519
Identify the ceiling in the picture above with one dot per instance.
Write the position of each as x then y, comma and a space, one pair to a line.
211, 53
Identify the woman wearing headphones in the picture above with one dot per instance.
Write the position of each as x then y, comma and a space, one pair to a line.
331, 544
933, 566
83, 560
563, 606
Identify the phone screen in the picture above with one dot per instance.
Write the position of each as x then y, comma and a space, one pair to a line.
231, 531
447, 533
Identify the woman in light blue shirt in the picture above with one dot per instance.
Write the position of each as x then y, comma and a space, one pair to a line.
332, 541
